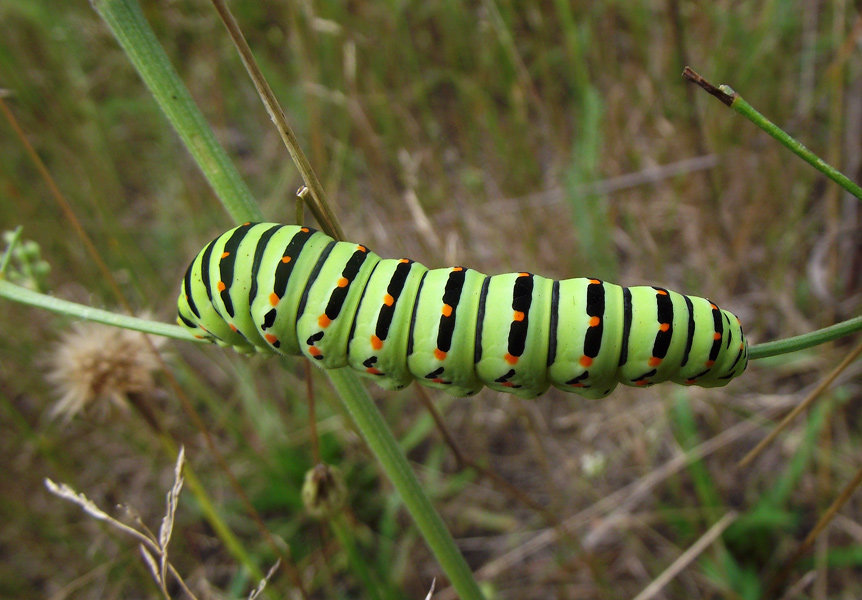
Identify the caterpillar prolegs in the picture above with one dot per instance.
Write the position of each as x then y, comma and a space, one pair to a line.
293, 290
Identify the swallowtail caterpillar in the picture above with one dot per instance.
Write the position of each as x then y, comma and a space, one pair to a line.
290, 290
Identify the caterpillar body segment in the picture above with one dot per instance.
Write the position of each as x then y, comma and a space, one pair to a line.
292, 290
377, 343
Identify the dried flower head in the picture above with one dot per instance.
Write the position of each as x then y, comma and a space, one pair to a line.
100, 366
324, 491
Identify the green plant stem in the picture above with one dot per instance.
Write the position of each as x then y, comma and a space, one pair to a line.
17, 293
728, 96
134, 34
381, 441
749, 112
131, 29
806, 340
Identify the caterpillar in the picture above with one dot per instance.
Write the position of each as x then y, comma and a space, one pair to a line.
292, 290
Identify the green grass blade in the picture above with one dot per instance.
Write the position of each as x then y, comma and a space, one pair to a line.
134, 34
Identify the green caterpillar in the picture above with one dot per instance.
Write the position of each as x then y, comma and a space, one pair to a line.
293, 290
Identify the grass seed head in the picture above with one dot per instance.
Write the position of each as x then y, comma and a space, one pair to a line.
100, 366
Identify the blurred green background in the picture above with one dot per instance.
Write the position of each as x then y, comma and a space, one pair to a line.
557, 137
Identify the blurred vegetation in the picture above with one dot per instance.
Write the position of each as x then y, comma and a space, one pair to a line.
556, 137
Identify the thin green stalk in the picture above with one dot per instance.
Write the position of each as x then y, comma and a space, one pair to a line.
806, 340
17, 293
381, 441
728, 96
134, 34
749, 112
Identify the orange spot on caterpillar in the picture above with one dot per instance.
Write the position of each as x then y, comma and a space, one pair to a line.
304, 229
286, 259
270, 338
314, 350
376, 342
457, 269
388, 300
509, 358
374, 371
518, 316
507, 384
342, 282
661, 292
232, 327
225, 254
578, 385
709, 363
664, 327
246, 224
585, 361
323, 321
654, 361
200, 337
361, 248
439, 354
742, 345
438, 380
523, 274
596, 281
713, 306
594, 321
690, 381
221, 286
641, 382
716, 336
273, 299
404, 260
446, 310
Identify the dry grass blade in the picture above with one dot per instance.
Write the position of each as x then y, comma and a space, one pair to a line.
65, 207
827, 517
256, 592
319, 207
88, 506
167, 525
155, 571
686, 557
431, 591
815, 393
149, 545
622, 500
